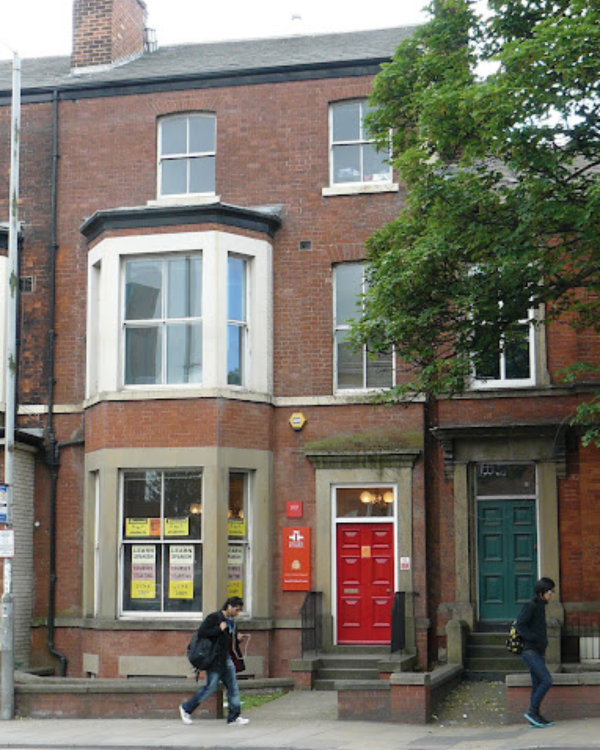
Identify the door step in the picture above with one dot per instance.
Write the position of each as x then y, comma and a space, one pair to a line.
486, 657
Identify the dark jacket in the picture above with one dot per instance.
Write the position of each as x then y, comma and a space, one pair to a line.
531, 625
211, 628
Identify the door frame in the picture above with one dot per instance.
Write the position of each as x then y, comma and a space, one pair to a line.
544, 445
392, 520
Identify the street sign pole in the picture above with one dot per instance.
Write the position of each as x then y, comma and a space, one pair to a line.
7, 637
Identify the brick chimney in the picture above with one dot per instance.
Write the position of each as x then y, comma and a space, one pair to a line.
106, 32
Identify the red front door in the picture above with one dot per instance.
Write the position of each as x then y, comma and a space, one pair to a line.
365, 582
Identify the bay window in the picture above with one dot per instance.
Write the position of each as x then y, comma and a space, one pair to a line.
179, 313
238, 532
237, 319
161, 541
163, 320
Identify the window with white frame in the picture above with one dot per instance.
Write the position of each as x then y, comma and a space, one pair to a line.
511, 363
238, 532
187, 155
237, 319
354, 158
179, 312
163, 320
355, 370
161, 542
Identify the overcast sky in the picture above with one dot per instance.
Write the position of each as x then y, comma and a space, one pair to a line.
38, 28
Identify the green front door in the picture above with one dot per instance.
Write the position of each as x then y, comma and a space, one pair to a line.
507, 556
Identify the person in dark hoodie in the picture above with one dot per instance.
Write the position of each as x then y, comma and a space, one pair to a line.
220, 628
531, 626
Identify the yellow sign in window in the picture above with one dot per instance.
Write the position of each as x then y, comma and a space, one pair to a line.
177, 526
137, 527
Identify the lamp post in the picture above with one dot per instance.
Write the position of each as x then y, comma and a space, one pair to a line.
7, 636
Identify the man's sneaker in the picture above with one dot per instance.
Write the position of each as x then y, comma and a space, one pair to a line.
240, 721
536, 720
545, 721
185, 717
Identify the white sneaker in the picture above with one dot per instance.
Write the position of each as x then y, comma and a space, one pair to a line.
240, 721
185, 717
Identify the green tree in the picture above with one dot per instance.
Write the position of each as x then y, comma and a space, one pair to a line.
495, 126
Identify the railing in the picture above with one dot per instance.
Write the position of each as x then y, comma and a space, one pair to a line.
581, 642
312, 621
398, 639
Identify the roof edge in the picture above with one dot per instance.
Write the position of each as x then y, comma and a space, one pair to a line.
265, 219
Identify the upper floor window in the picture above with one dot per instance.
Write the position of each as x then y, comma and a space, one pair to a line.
511, 363
163, 320
187, 152
353, 155
355, 370
179, 311
237, 319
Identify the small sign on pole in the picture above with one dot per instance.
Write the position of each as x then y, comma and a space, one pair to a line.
7, 543
3, 503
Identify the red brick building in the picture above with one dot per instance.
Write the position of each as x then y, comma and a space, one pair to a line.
190, 421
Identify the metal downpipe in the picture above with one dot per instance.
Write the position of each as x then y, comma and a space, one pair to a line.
53, 450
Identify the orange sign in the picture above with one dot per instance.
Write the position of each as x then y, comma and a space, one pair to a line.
295, 545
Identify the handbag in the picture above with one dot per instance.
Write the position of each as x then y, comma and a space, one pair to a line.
236, 656
514, 642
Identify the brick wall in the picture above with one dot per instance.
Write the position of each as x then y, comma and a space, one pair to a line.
562, 702
107, 701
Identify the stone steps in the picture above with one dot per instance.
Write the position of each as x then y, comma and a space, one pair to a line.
486, 657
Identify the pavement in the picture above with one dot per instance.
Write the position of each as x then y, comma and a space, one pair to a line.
297, 721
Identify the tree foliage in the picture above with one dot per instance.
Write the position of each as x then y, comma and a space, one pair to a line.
495, 130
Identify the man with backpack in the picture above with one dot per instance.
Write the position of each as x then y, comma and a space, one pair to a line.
220, 628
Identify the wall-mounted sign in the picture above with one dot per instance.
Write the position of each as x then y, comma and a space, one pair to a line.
295, 544
3, 503
405, 563
7, 543
293, 509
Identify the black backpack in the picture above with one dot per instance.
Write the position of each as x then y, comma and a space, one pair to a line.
201, 651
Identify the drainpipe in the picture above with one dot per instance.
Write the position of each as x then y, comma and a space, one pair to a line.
53, 448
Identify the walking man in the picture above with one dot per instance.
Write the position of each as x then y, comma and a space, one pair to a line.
531, 626
220, 628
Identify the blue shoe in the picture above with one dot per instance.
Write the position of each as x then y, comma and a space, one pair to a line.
545, 721
536, 720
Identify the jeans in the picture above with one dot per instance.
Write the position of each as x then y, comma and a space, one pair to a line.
541, 680
229, 679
